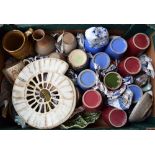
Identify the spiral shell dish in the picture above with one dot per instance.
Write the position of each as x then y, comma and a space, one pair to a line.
42, 95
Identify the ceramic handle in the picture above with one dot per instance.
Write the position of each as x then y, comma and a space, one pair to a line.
29, 32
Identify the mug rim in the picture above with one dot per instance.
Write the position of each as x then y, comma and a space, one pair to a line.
123, 122
98, 102
118, 85
148, 41
72, 37
125, 42
81, 83
106, 55
43, 34
5, 37
71, 55
132, 73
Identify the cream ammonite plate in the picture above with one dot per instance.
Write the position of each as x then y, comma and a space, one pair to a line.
44, 99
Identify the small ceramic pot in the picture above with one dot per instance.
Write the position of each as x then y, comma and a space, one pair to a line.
129, 66
11, 73
92, 100
137, 92
137, 44
86, 79
101, 59
17, 43
114, 117
112, 80
142, 109
116, 48
69, 42
78, 59
45, 44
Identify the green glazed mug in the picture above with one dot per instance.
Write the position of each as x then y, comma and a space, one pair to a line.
112, 80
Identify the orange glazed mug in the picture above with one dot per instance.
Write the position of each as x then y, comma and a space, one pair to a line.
16, 43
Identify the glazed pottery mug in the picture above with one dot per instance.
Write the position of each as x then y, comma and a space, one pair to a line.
12, 71
137, 92
96, 38
129, 66
112, 80
86, 79
116, 48
17, 44
114, 117
78, 59
101, 59
92, 100
69, 42
137, 44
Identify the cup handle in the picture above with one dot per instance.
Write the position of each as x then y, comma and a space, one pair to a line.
29, 32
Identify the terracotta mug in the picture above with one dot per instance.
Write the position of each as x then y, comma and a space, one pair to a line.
129, 66
137, 44
17, 44
12, 71
114, 117
92, 100
45, 44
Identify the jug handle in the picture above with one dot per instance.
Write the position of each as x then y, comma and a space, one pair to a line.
29, 32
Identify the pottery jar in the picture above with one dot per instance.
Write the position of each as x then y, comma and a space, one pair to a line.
45, 44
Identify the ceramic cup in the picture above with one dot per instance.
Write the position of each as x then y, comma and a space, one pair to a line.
17, 43
11, 72
86, 79
116, 48
129, 66
101, 59
44, 44
112, 80
92, 100
69, 42
137, 44
78, 59
114, 117
137, 93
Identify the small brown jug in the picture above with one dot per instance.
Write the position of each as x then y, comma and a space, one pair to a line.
45, 44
